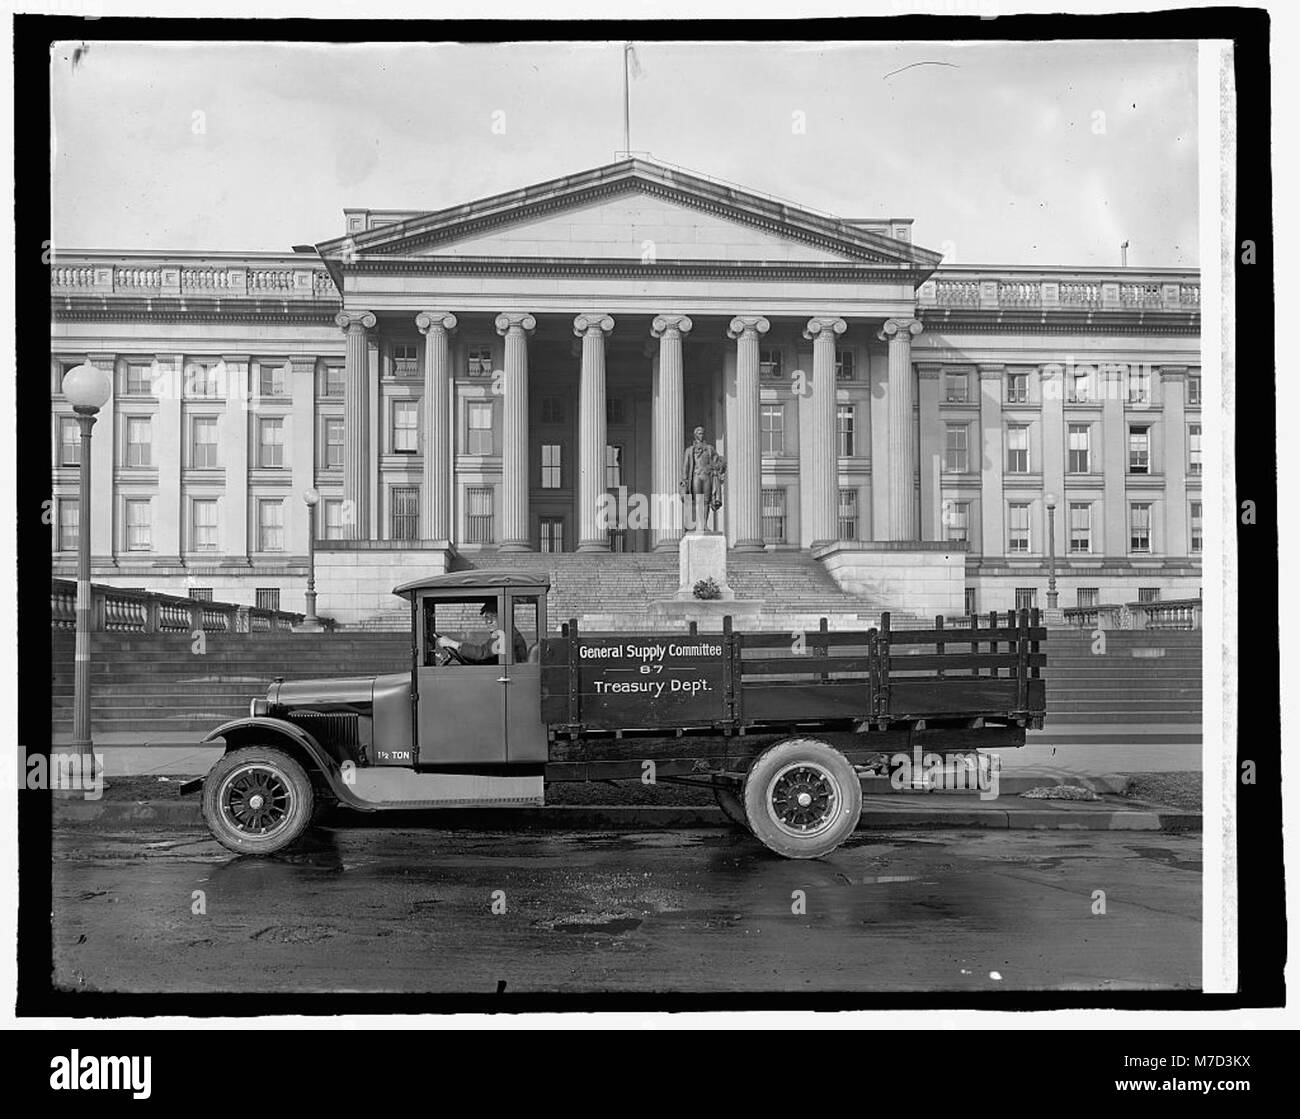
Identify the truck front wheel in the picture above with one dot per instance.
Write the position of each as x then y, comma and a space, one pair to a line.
802, 798
257, 800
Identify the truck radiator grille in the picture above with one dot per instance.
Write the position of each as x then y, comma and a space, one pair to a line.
329, 728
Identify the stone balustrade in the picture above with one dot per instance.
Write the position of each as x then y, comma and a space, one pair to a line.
281, 277
1182, 613
123, 610
1018, 288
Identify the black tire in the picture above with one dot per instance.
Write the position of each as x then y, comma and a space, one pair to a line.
727, 794
802, 798
243, 823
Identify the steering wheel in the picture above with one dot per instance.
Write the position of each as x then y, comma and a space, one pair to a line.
444, 654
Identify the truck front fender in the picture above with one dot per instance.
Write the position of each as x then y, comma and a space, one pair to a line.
263, 730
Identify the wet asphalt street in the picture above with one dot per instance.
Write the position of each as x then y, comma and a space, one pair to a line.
382, 909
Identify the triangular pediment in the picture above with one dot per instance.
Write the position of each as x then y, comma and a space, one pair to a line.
629, 211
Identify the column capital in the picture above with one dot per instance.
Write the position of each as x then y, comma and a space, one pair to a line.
1173, 372
348, 319
899, 330
990, 370
670, 326
592, 324
515, 320
426, 321
825, 327
747, 324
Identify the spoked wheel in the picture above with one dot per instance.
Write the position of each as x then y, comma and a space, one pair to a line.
802, 798
257, 800
727, 794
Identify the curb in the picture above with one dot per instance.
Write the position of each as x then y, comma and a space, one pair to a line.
579, 817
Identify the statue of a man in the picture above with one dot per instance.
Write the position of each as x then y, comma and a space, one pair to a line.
703, 473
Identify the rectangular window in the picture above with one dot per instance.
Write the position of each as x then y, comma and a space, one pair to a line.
1139, 386
203, 537
478, 515
769, 362
139, 525
971, 601
204, 381
332, 444
1078, 388
1026, 598
201, 594
1087, 597
267, 598
406, 361
69, 442
1194, 450
956, 456
139, 380
333, 509
1017, 449
848, 517
69, 516
1080, 450
478, 361
1195, 528
956, 521
1194, 389
406, 427
1139, 450
956, 388
844, 365
552, 410
139, 441
1018, 527
772, 428
1139, 530
1148, 594
774, 516
615, 414
332, 381
552, 534
270, 525
1017, 388
274, 379
203, 442
270, 442
613, 466
478, 415
1080, 527
405, 512
552, 478
844, 421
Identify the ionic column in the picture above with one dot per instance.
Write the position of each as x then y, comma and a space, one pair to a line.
819, 462
356, 423
902, 428
436, 326
591, 328
668, 436
745, 462
515, 327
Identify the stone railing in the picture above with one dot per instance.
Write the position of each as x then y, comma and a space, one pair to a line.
1183, 613
125, 610
1017, 288
280, 277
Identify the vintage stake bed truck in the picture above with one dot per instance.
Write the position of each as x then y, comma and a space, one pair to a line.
774, 723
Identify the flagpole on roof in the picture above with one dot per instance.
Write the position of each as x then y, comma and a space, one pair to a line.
627, 127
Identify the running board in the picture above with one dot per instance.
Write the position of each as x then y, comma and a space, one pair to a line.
390, 787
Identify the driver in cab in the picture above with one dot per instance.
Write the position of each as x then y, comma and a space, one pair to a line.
486, 651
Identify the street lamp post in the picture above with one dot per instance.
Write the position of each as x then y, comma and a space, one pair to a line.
87, 389
312, 499
1050, 501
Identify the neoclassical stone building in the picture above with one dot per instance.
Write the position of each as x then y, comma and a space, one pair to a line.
521, 373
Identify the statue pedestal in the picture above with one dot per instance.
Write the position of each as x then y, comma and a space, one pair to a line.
703, 555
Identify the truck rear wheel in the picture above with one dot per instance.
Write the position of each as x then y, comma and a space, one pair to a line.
257, 800
802, 798
727, 794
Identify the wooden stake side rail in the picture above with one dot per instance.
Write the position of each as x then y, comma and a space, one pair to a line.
736, 683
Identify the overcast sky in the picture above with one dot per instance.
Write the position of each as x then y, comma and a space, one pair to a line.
999, 152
